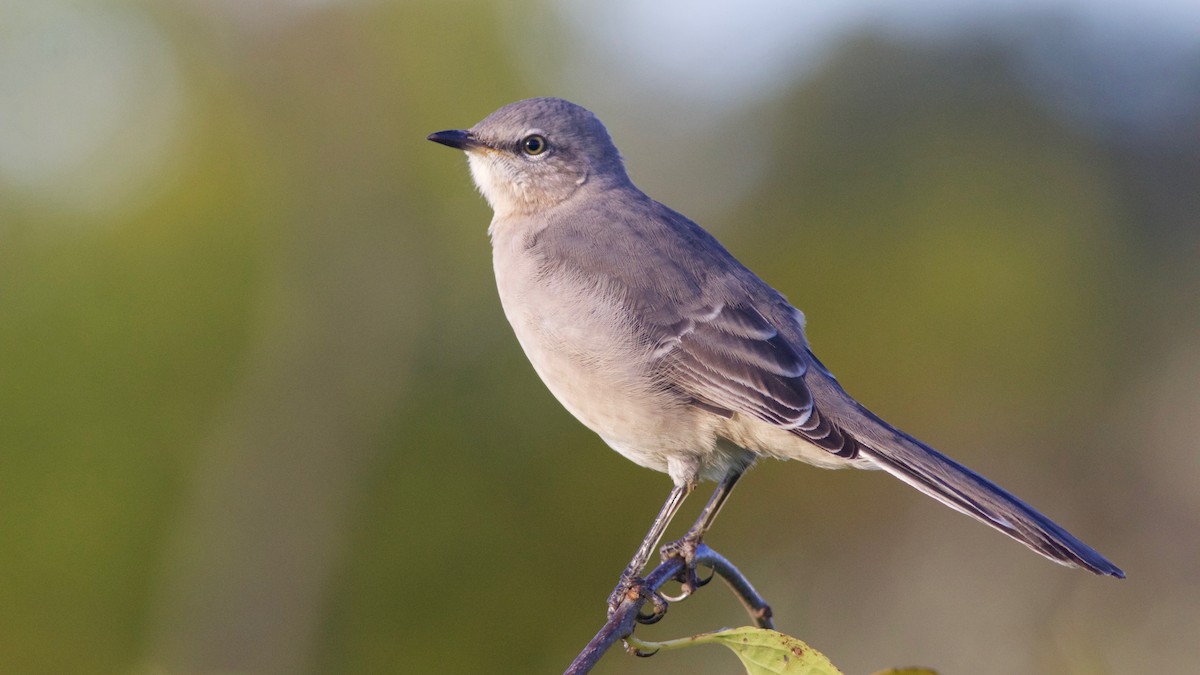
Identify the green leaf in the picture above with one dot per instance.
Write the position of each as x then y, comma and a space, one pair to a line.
762, 651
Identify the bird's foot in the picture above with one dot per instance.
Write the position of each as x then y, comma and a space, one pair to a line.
630, 589
685, 550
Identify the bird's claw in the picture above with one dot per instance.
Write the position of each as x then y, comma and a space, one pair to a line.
685, 550
630, 589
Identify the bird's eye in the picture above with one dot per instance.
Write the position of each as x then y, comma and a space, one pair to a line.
534, 144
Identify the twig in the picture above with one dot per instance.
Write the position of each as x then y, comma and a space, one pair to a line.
624, 619
756, 606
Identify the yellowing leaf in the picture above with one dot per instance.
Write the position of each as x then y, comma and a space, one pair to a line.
762, 651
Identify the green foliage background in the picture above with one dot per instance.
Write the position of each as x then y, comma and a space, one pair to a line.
264, 414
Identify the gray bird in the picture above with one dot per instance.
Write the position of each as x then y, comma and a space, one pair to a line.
656, 338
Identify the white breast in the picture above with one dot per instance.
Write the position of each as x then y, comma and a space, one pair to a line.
580, 342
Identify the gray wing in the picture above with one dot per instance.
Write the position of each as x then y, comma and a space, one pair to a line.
701, 312
729, 358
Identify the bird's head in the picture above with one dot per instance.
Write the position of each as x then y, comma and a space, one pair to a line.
535, 154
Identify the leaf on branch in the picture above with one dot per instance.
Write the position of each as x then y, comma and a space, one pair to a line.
762, 651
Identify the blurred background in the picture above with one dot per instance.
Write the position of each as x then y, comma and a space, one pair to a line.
260, 411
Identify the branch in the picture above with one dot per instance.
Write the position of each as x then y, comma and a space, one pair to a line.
622, 622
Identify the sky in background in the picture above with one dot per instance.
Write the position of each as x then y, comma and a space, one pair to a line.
735, 44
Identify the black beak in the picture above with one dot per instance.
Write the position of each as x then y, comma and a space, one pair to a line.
455, 138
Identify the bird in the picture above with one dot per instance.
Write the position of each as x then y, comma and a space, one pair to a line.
678, 356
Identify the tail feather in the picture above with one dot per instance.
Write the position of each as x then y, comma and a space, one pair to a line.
953, 484
966, 491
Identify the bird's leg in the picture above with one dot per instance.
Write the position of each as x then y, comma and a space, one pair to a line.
631, 579
685, 546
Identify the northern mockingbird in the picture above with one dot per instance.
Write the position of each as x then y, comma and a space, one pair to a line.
683, 360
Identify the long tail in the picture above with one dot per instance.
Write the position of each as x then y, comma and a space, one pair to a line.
960, 488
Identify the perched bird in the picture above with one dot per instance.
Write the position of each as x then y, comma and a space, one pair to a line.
656, 338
